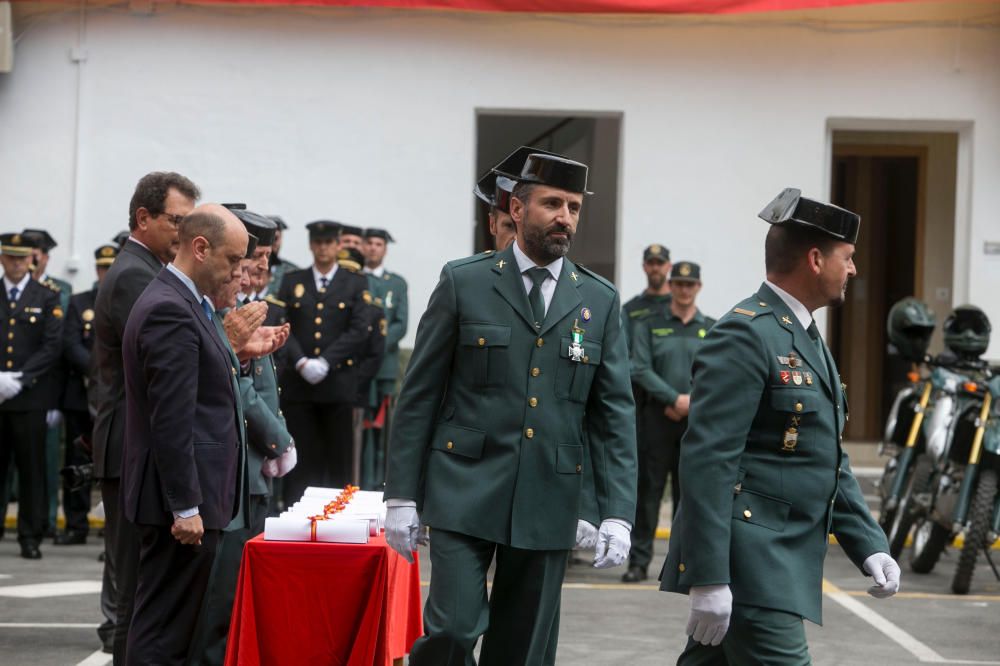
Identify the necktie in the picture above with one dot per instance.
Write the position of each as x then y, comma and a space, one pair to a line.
820, 347
14, 291
323, 282
535, 299
207, 308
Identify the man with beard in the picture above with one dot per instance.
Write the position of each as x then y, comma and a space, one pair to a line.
764, 477
655, 299
183, 473
159, 203
519, 353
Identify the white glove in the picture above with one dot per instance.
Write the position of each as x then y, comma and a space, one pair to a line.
312, 371
324, 367
711, 607
269, 468
885, 571
286, 462
10, 385
613, 543
586, 535
402, 530
53, 418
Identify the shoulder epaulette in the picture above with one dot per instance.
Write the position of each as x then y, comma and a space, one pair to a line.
597, 277
53, 286
274, 300
455, 263
752, 307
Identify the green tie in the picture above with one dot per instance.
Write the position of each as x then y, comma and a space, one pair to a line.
535, 299
820, 347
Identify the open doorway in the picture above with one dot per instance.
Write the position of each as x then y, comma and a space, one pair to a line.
903, 185
593, 139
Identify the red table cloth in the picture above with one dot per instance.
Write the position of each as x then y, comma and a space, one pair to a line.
323, 604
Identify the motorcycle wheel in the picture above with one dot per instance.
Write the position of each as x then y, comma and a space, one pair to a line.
929, 541
908, 512
975, 537
887, 516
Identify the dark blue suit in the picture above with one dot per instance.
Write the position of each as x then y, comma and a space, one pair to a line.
184, 448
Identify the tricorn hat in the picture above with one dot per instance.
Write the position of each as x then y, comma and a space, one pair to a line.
120, 238
790, 207
351, 230
278, 221
258, 225
251, 246
554, 171
42, 239
497, 184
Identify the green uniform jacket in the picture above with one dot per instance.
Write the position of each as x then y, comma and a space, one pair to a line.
765, 478
267, 433
278, 270
390, 292
639, 308
489, 431
663, 350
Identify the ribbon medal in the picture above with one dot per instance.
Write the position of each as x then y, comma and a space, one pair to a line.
576, 351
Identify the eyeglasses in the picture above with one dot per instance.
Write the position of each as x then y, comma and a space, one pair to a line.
175, 220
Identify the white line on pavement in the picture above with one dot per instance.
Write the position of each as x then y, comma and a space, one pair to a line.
866, 471
48, 625
920, 650
60, 589
99, 658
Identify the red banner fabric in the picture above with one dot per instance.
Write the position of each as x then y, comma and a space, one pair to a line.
323, 603
577, 6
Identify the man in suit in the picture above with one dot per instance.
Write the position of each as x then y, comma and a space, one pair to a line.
764, 477
78, 339
325, 307
32, 328
519, 355
160, 201
182, 470
267, 440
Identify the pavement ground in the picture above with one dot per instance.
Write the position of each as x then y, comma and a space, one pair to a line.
49, 610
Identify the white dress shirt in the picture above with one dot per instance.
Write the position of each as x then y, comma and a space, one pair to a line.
800, 311
524, 264
20, 285
329, 277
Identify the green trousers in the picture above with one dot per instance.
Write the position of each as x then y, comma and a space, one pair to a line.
756, 636
520, 620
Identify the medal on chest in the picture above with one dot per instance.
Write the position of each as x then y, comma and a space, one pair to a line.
576, 351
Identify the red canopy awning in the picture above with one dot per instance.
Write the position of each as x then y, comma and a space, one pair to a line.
577, 6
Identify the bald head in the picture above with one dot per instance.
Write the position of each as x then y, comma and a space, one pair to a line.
213, 244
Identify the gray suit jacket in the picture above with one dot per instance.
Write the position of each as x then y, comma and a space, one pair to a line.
133, 270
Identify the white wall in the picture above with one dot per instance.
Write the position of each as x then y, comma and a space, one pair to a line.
369, 117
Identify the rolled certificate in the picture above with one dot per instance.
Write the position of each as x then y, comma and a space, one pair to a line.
335, 530
287, 528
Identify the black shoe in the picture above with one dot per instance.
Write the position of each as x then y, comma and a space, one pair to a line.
634, 575
70, 538
29, 551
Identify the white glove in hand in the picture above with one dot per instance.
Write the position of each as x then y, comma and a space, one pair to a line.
711, 607
286, 461
613, 543
323, 367
10, 385
586, 535
269, 468
402, 530
53, 418
312, 371
885, 571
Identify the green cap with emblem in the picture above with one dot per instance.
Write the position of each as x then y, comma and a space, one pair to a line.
685, 271
656, 252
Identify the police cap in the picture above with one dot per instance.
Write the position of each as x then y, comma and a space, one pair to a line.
42, 239
17, 245
656, 252
105, 255
379, 233
685, 271
323, 230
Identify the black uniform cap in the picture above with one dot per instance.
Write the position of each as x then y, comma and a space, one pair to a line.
685, 271
351, 259
497, 184
105, 255
790, 207
323, 229
42, 239
234, 206
17, 245
552, 170
278, 221
258, 225
251, 246
351, 231
379, 233
120, 238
